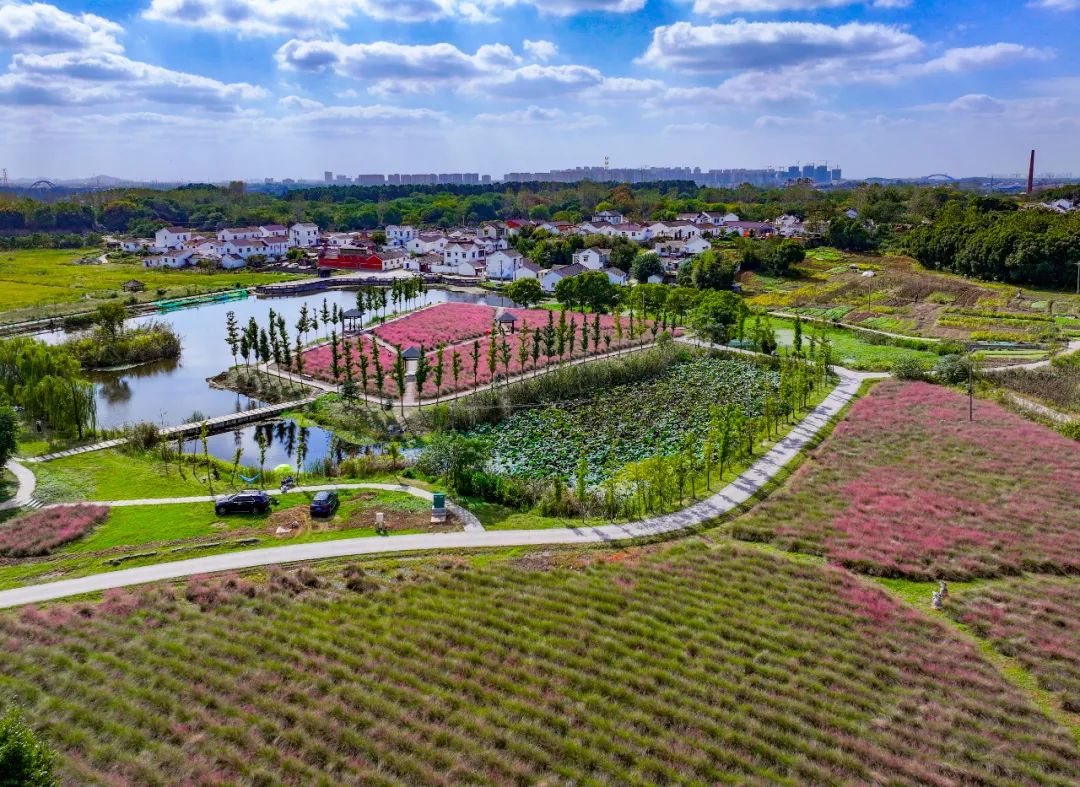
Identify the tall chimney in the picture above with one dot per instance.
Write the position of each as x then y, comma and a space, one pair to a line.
1031, 173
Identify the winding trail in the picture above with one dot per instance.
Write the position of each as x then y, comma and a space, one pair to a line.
27, 484
733, 495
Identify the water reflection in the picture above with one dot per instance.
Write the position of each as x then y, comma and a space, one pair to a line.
169, 392
283, 437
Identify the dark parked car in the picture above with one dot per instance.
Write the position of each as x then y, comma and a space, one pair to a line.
250, 501
324, 503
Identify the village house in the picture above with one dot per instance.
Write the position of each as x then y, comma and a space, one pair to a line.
274, 230
593, 259
177, 258
527, 270
461, 251
715, 218
1062, 205
634, 232
789, 226
608, 217
304, 235
670, 248
134, 245
678, 230
399, 234
171, 238
696, 246
615, 276
493, 229
502, 265
749, 229
425, 242
239, 233
550, 278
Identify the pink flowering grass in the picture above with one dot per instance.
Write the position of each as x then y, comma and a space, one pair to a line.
318, 363
43, 531
907, 487
1035, 620
446, 323
684, 665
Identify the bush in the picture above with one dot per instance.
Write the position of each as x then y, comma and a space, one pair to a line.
909, 369
42, 531
952, 369
144, 436
25, 760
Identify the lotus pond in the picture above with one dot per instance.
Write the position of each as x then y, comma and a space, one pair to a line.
626, 423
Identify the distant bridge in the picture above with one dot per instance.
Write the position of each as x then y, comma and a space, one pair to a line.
43, 184
940, 177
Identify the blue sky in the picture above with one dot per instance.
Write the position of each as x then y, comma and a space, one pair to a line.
216, 89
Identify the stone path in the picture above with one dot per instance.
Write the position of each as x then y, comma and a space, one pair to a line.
24, 496
733, 495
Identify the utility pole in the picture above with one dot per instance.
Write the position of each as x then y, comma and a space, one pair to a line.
1077, 278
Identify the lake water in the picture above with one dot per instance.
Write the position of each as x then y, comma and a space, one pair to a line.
169, 392
282, 437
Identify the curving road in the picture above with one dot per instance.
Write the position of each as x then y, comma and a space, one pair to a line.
733, 495
27, 484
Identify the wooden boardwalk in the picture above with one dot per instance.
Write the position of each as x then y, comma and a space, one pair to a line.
217, 424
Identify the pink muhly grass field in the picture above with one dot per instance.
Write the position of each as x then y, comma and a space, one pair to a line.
42, 531
1033, 620
447, 323
906, 486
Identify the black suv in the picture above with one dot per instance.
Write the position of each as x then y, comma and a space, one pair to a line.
250, 501
324, 503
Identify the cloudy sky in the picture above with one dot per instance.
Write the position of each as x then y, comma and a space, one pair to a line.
215, 89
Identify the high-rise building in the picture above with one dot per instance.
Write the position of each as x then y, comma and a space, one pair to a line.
835, 175
328, 176
343, 179
370, 180
821, 174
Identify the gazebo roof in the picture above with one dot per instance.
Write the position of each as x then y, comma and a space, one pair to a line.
411, 353
506, 317
352, 314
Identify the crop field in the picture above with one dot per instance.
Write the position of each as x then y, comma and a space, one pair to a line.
692, 664
1058, 385
36, 278
907, 487
1033, 619
626, 423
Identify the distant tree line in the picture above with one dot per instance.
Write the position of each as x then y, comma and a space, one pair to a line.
1016, 246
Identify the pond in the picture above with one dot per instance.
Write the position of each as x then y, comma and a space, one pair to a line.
282, 437
169, 392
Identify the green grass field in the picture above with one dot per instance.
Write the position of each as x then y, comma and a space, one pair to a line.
40, 282
851, 350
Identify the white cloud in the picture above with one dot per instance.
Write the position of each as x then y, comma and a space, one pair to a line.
299, 103
538, 82
625, 89
976, 57
38, 27
394, 68
1057, 5
360, 118
816, 118
770, 45
541, 50
728, 7
306, 17
538, 116
74, 78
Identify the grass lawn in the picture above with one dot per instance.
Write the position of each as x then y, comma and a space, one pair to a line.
8, 484
850, 349
115, 475
693, 663
138, 525
36, 278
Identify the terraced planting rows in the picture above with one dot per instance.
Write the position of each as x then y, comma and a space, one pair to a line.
626, 423
907, 487
688, 664
1034, 620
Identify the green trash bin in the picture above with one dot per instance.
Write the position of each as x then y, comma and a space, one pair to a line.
438, 507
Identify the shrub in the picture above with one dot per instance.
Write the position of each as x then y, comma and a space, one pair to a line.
144, 436
952, 369
25, 760
42, 531
909, 369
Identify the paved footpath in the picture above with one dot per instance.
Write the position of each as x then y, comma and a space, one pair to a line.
27, 484
733, 495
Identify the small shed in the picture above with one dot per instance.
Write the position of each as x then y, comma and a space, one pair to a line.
508, 321
134, 285
350, 318
412, 358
